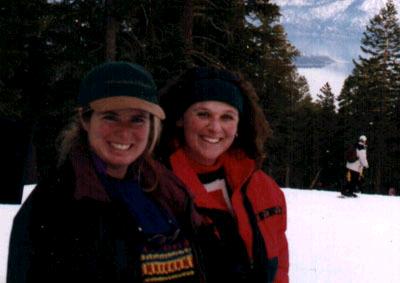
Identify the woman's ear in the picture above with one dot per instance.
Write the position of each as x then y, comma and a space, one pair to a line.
85, 124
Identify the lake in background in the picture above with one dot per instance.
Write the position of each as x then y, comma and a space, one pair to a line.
341, 49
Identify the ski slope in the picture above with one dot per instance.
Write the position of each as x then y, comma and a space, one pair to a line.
330, 239
350, 240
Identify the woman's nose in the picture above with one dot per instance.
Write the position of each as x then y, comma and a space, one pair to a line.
123, 129
214, 125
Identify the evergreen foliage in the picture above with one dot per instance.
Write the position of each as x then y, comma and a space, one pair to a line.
328, 141
48, 46
370, 96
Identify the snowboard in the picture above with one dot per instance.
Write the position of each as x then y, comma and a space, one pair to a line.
343, 196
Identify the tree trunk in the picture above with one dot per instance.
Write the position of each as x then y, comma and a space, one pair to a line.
187, 25
287, 176
379, 166
378, 179
111, 32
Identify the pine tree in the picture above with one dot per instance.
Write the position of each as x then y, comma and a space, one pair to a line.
270, 66
370, 94
330, 157
246, 36
306, 150
327, 98
54, 43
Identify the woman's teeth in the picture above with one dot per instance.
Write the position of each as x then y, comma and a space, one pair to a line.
120, 146
211, 140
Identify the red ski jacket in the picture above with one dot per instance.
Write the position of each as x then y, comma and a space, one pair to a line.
268, 205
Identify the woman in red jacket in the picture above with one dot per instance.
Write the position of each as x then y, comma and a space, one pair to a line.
213, 140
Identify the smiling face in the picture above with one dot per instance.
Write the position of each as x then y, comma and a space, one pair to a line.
209, 130
118, 137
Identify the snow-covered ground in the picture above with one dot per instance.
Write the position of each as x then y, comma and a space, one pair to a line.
330, 239
343, 240
7, 213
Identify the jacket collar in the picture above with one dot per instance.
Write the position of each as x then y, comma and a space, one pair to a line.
237, 166
87, 182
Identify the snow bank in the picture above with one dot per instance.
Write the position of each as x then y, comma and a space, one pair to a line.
330, 239
343, 240
7, 213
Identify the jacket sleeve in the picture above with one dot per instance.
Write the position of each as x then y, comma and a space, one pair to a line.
283, 252
362, 156
270, 207
20, 247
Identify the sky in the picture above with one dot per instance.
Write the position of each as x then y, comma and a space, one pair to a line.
317, 77
331, 240
302, 17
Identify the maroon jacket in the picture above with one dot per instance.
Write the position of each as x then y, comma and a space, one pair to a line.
68, 230
267, 213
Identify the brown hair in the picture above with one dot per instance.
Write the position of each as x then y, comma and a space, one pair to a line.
253, 128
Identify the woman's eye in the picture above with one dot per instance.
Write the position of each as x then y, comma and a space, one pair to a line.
110, 118
203, 114
227, 117
138, 119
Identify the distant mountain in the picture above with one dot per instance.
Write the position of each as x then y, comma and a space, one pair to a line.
328, 35
329, 28
328, 17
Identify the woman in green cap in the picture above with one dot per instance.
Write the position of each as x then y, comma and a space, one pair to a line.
213, 140
109, 212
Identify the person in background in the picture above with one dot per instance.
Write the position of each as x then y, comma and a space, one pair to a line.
355, 169
392, 191
214, 140
109, 212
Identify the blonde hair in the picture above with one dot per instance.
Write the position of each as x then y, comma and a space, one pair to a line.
75, 135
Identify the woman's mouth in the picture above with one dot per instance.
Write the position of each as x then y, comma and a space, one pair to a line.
211, 140
120, 146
